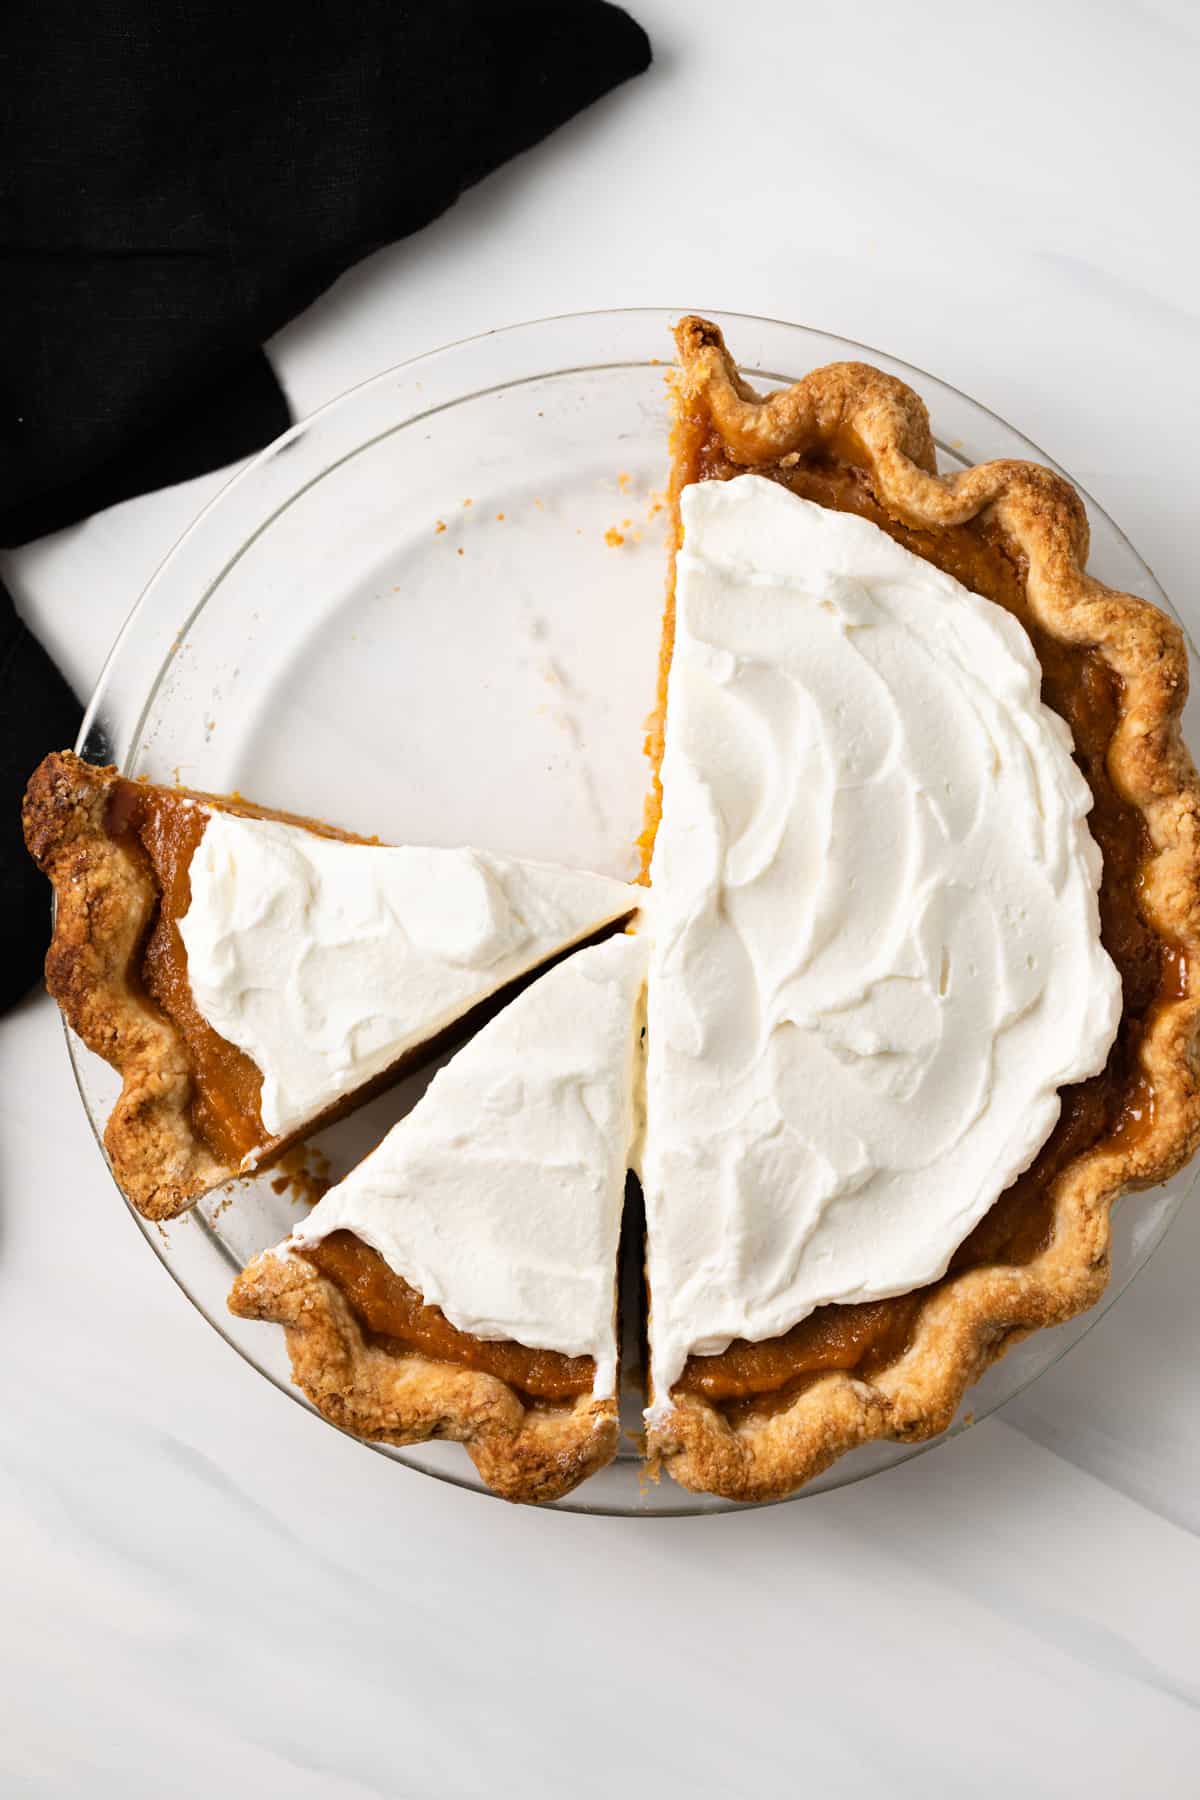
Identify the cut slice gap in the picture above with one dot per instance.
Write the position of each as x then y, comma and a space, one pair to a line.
461, 1282
632, 1319
402, 947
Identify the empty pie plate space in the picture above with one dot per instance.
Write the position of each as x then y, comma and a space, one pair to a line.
432, 611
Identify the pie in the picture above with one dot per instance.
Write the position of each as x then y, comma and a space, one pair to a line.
906, 1004
755, 1418
500, 1196
253, 976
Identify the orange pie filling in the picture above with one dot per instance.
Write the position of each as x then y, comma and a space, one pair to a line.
395, 1318
166, 826
1080, 686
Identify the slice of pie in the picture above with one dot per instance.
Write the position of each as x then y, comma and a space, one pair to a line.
461, 1281
924, 846
253, 976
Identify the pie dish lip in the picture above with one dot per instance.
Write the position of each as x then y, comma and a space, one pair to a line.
650, 321
667, 316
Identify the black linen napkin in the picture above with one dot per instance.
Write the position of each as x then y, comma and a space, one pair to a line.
38, 712
178, 179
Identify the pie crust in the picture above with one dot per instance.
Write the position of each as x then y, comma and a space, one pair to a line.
528, 1451
850, 416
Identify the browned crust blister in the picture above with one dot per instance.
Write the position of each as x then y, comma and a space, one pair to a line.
106, 894
529, 1453
975, 1317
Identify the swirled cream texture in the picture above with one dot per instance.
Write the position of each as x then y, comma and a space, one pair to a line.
499, 1197
326, 961
877, 947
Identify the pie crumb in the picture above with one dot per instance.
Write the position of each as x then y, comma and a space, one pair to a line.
304, 1175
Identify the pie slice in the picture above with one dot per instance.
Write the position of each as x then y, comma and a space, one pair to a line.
461, 1281
920, 1005
253, 976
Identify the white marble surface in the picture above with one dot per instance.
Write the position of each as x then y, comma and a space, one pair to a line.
205, 1590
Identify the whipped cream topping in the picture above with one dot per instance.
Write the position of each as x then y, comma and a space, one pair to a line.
326, 961
877, 946
499, 1197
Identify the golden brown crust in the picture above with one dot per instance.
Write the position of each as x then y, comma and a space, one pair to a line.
853, 411
529, 1453
106, 895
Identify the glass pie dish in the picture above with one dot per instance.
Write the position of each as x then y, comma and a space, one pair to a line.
431, 611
